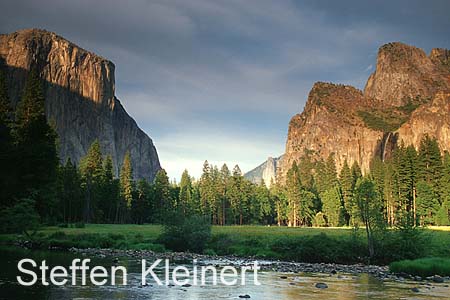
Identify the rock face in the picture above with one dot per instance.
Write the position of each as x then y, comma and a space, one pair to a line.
432, 118
267, 171
80, 100
404, 72
404, 99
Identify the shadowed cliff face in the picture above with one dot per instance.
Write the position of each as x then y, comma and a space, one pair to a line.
80, 101
404, 99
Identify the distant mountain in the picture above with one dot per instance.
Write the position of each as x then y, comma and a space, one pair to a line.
267, 171
80, 98
406, 98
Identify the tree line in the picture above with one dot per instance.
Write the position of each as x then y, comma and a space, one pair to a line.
412, 184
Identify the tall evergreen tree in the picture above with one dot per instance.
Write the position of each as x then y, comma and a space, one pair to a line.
36, 147
185, 196
140, 205
293, 190
332, 207
224, 187
126, 180
91, 167
346, 182
110, 202
162, 200
264, 206
430, 163
406, 164
8, 180
369, 210
443, 215
427, 204
69, 192
206, 189
237, 196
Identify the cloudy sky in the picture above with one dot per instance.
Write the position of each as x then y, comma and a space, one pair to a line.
220, 80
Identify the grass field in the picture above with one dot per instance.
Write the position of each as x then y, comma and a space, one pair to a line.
298, 244
423, 267
152, 231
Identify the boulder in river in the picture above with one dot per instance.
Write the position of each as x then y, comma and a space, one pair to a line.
321, 285
438, 279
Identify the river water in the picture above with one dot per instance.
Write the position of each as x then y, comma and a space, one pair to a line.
274, 285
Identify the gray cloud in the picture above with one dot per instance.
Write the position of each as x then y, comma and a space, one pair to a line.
196, 73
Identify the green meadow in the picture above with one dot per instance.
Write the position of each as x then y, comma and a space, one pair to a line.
329, 245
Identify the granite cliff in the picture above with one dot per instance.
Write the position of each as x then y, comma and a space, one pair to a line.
80, 98
407, 97
266, 171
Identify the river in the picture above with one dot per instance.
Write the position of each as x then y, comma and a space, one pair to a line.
274, 285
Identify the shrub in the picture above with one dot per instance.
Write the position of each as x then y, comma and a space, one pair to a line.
319, 220
79, 225
210, 252
58, 235
19, 218
423, 267
186, 233
222, 243
405, 242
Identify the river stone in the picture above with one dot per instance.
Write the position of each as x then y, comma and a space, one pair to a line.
415, 290
438, 279
321, 285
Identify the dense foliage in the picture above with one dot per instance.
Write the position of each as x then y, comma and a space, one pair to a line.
411, 185
422, 267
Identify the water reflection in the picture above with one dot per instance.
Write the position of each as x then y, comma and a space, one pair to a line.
295, 286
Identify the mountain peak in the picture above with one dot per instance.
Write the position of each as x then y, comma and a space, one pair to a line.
405, 73
80, 98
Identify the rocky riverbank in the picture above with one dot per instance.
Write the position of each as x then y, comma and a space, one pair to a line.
339, 270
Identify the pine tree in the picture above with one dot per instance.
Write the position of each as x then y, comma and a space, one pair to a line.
36, 147
69, 192
162, 201
264, 206
214, 198
91, 167
391, 195
280, 203
237, 196
140, 205
406, 165
369, 210
126, 181
300, 201
332, 206
356, 173
206, 189
443, 215
346, 182
8, 180
185, 196
427, 204
224, 187
306, 169
110, 201
326, 174
429, 163
293, 189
